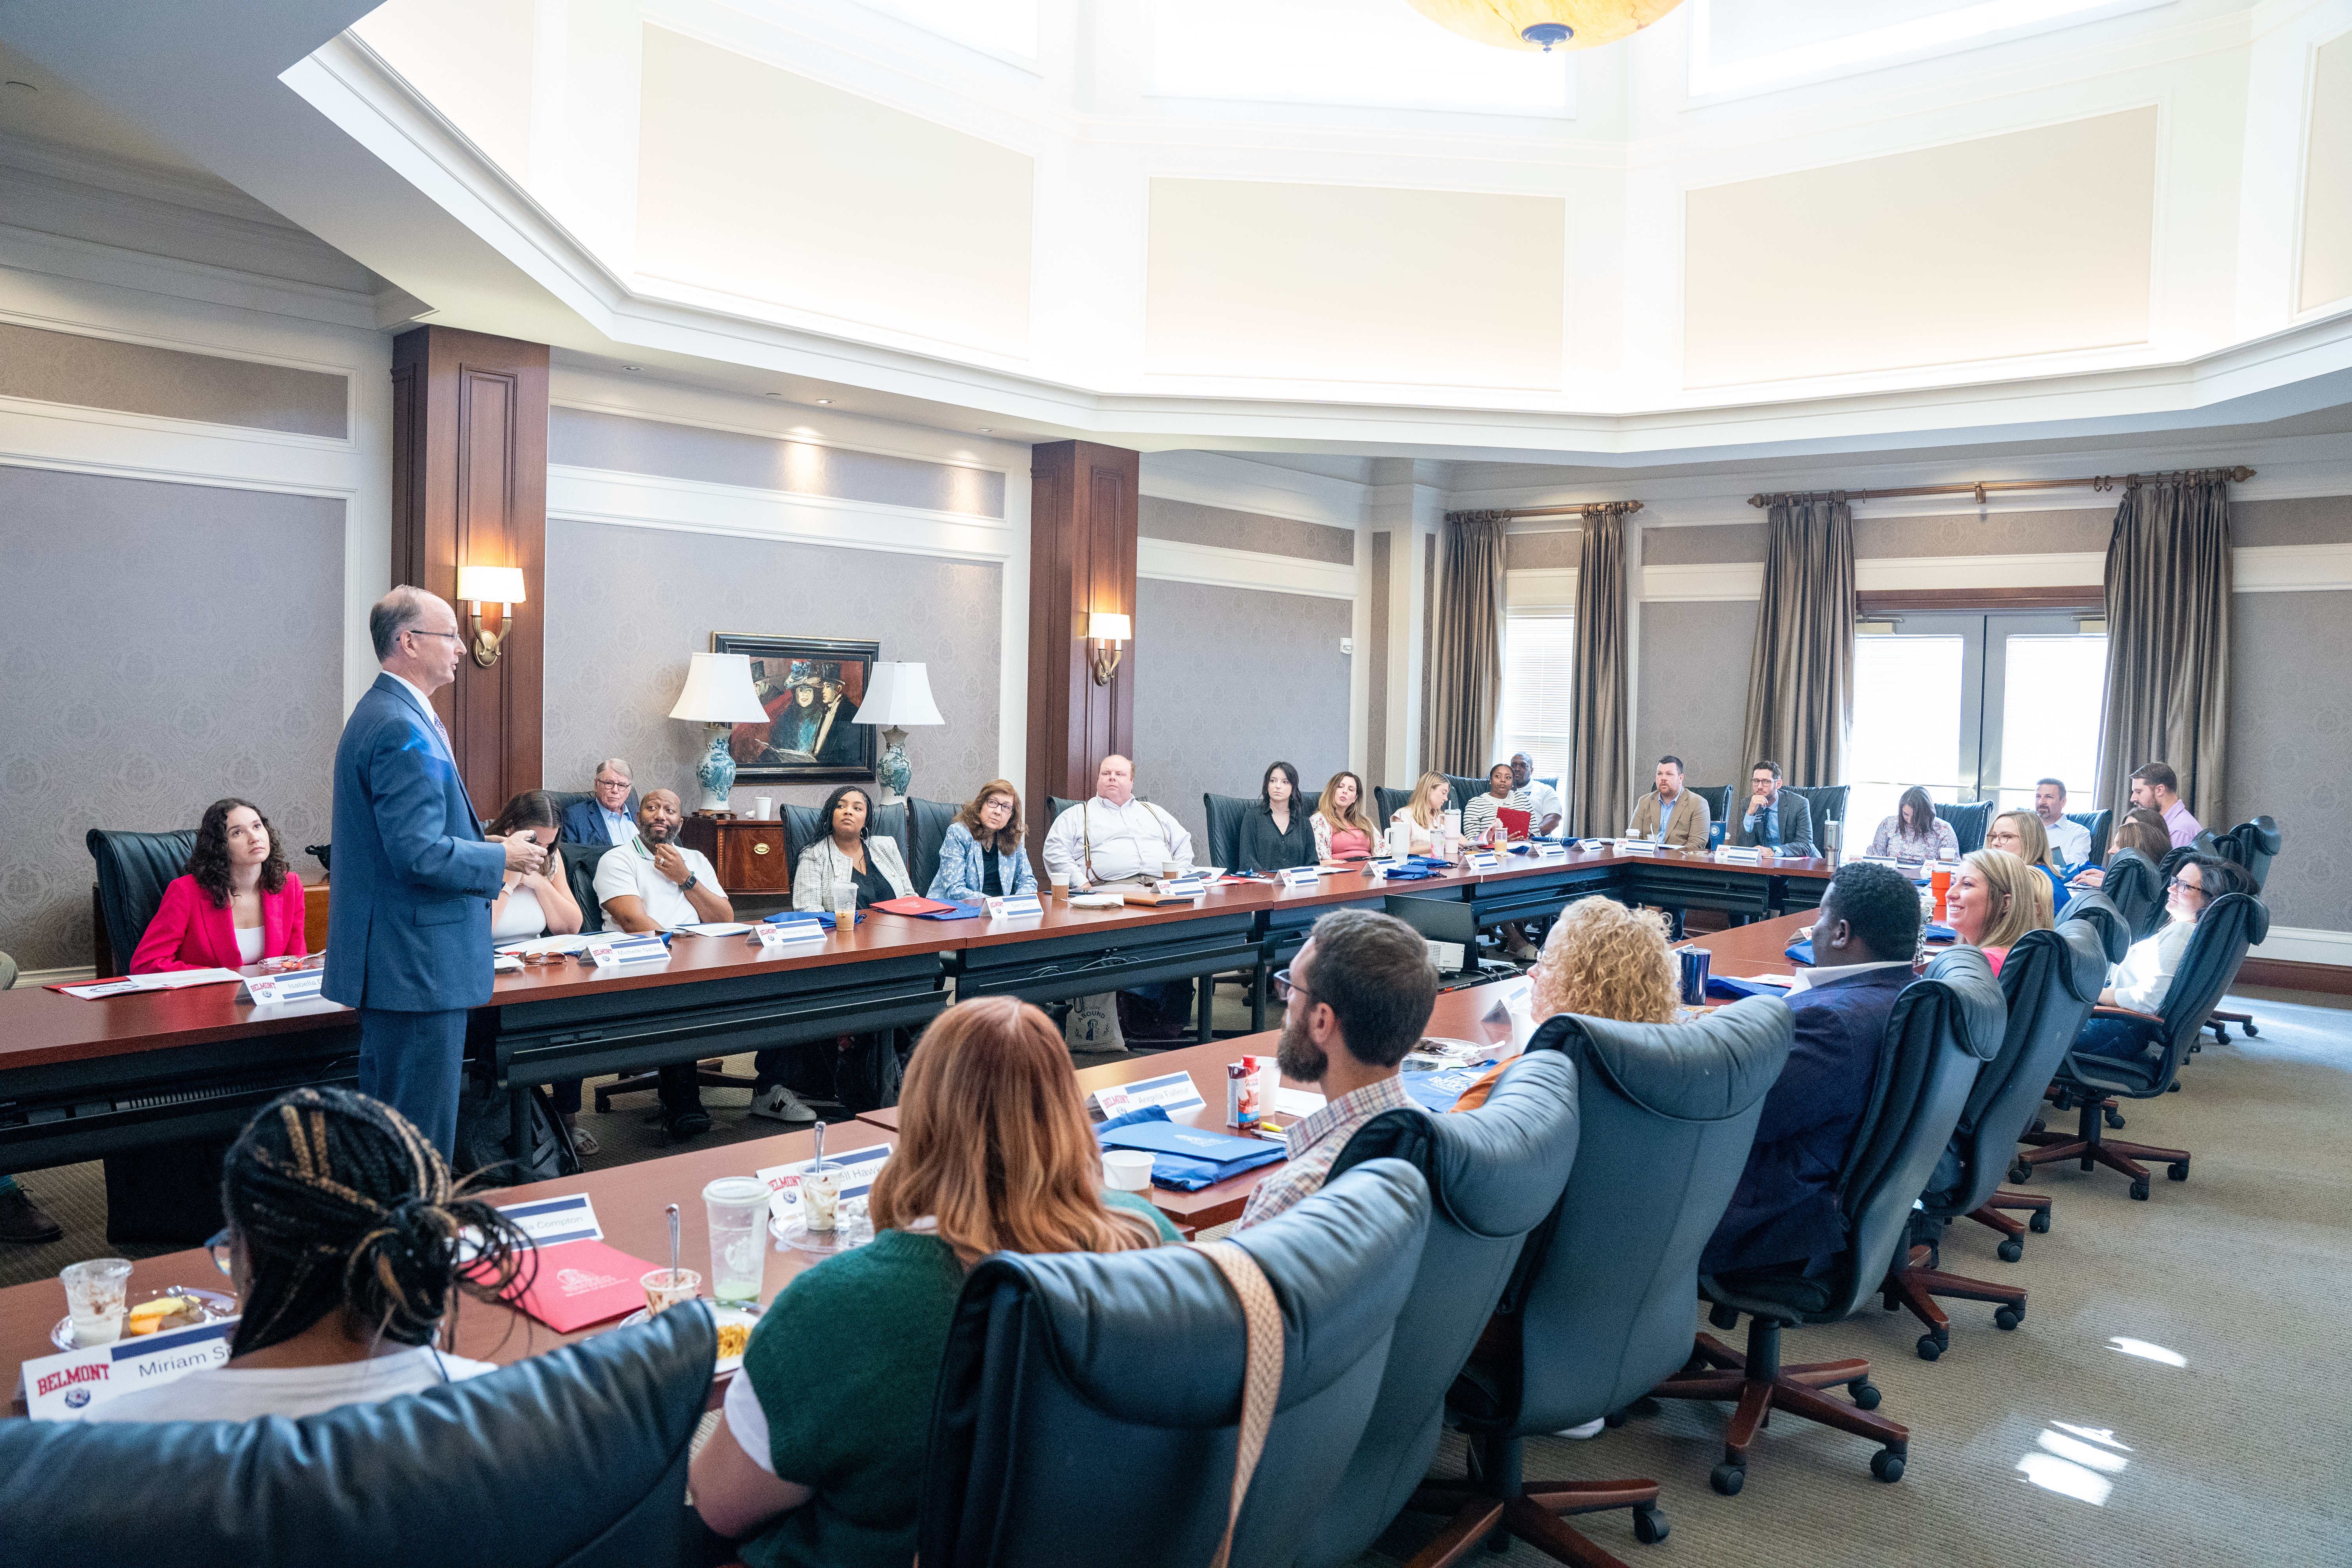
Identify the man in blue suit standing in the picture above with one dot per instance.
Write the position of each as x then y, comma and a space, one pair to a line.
1784, 1212
408, 905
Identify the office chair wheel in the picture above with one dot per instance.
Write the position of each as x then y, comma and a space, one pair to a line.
2039, 1224
2139, 1189
2010, 1250
2178, 1170
2021, 1169
1931, 1346
1887, 1464
2115, 1116
1727, 1480
1649, 1525
2252, 1032
1616, 1418
1863, 1392
1723, 1317
2174, 1088
2008, 1317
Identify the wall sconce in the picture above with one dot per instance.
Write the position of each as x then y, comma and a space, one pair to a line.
1110, 634
501, 584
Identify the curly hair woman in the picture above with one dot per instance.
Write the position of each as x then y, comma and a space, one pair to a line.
1605, 961
238, 903
348, 1243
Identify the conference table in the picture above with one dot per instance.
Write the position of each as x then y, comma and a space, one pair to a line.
630, 1199
82, 1079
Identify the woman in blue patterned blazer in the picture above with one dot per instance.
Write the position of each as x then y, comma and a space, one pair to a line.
981, 855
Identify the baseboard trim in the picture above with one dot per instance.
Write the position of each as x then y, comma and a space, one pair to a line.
2290, 974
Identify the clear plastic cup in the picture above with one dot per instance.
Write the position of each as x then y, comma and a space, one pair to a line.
821, 1195
95, 1299
738, 1207
666, 1288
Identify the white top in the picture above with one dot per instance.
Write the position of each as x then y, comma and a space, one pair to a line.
1479, 815
1809, 978
748, 1423
629, 868
518, 916
1544, 801
2144, 978
2071, 840
248, 944
1115, 842
240, 1393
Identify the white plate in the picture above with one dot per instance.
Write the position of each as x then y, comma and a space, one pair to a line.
747, 1315
218, 1304
854, 1231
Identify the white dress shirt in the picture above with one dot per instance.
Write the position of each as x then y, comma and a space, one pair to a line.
2071, 840
2144, 978
1809, 978
1107, 843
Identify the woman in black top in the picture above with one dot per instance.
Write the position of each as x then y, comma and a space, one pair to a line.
1277, 832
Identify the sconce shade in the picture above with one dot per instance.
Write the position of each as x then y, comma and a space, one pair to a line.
1103, 625
718, 690
490, 585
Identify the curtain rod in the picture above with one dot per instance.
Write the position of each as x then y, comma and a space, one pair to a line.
1514, 513
1981, 488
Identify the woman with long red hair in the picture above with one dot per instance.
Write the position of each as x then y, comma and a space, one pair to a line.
994, 1155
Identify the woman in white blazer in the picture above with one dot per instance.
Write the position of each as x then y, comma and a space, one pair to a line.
847, 860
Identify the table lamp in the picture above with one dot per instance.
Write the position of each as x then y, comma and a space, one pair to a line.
719, 692
897, 695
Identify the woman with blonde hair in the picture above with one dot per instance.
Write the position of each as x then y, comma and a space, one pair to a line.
1605, 961
1425, 813
2022, 834
1996, 898
981, 855
994, 1154
1342, 825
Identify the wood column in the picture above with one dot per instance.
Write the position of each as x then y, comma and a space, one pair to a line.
1082, 503
469, 487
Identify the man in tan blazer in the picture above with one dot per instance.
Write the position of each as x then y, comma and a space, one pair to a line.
1683, 812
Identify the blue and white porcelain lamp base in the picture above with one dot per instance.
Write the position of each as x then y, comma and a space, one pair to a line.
716, 772
893, 772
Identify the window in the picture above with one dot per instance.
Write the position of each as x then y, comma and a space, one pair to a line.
1539, 672
1974, 707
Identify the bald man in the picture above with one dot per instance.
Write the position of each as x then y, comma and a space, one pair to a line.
1115, 837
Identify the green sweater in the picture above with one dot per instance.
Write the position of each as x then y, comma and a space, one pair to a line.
845, 1363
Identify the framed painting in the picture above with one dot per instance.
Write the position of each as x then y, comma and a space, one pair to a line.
811, 688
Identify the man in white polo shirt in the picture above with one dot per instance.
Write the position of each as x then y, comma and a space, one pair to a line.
652, 883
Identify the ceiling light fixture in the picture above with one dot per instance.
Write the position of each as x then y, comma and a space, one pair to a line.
1545, 24
826, 400
632, 367
988, 429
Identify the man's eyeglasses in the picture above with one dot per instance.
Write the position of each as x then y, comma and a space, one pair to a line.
420, 631
219, 1248
1284, 986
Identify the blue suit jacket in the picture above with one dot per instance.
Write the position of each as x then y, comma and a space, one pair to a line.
408, 904
1785, 1209
584, 823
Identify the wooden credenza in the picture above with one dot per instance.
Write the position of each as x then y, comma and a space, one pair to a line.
747, 854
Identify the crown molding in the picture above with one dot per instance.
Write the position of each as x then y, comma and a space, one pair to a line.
1211, 565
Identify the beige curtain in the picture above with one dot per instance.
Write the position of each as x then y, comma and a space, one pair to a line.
1599, 801
1466, 663
2168, 584
1800, 676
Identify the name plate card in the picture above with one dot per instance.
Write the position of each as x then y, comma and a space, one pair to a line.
1547, 851
858, 1168
1009, 908
269, 990
791, 933
64, 1386
1172, 1093
1301, 876
645, 948
1481, 860
1180, 888
1635, 846
1748, 856
551, 1222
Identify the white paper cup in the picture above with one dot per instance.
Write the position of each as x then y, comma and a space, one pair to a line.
763, 806
1127, 1170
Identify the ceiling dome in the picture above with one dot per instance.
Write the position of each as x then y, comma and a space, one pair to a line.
1523, 24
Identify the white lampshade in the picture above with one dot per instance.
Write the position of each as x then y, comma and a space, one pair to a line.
898, 695
490, 585
718, 690
1106, 625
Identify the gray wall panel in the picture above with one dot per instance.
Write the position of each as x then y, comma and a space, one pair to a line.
2290, 748
100, 372
1693, 687
1156, 517
582, 438
1556, 548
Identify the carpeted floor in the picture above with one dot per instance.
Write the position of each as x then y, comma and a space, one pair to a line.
2228, 1438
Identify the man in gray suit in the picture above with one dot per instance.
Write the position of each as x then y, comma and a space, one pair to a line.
1775, 819
408, 907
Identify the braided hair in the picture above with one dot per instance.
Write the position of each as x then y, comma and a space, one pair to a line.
343, 1203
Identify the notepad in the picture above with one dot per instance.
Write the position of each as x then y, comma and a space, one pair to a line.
911, 905
1514, 821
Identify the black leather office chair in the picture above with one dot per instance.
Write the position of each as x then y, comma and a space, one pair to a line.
576, 1458
1089, 1403
1827, 802
1968, 822
132, 870
803, 826
1943, 1030
1391, 801
931, 819
1598, 1310
1494, 1174
2100, 824
1055, 806
1465, 790
890, 821
2253, 845
580, 862
2133, 886
1717, 798
2229, 925
1225, 814
2051, 981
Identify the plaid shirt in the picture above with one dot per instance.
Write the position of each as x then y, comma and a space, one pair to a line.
1315, 1141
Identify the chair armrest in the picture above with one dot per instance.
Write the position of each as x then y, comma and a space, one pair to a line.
2139, 1017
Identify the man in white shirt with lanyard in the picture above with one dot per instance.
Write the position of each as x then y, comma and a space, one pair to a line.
1115, 837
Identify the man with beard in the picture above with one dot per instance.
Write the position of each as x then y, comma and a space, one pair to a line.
1357, 998
651, 883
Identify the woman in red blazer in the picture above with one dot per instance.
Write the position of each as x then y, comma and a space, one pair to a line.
238, 904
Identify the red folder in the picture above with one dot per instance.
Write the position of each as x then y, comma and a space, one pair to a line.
1515, 823
577, 1283
912, 905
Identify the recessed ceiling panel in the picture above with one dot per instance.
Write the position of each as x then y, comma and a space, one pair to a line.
757, 182
1355, 283
1382, 55
471, 60
2035, 242
2327, 182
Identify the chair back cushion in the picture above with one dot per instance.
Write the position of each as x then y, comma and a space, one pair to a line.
1494, 1174
2133, 885
2253, 845
133, 868
1055, 806
1465, 790
1391, 801
1827, 802
1601, 1301
2094, 908
1968, 823
576, 1458
931, 820
803, 826
2100, 824
1226, 813
1089, 1403
889, 821
565, 799
580, 875
2049, 982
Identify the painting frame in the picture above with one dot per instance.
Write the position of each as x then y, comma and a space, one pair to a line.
832, 747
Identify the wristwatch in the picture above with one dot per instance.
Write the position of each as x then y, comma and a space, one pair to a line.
688, 886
